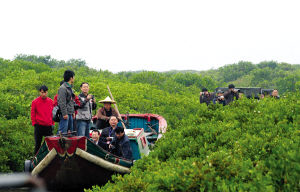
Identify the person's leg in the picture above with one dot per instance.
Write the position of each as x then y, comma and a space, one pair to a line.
48, 131
75, 125
63, 125
37, 138
80, 128
70, 124
87, 129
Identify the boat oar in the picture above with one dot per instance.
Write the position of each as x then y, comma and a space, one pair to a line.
116, 107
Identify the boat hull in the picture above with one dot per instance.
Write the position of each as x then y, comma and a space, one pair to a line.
74, 174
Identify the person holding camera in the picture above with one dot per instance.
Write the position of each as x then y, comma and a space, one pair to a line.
206, 97
231, 93
84, 112
120, 145
219, 98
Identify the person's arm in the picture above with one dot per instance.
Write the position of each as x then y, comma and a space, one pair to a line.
62, 101
51, 109
201, 97
94, 105
81, 101
33, 113
114, 112
100, 114
237, 95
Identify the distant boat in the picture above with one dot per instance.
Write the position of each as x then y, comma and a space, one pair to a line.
73, 163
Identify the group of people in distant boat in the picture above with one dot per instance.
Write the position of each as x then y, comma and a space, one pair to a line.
76, 115
225, 98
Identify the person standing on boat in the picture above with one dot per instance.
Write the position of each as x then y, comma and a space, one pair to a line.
65, 101
109, 132
120, 144
104, 113
84, 115
41, 117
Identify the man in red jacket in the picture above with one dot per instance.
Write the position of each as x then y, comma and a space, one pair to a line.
41, 117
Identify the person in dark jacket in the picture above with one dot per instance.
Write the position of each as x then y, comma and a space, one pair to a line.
108, 133
219, 98
120, 145
41, 117
104, 113
96, 136
65, 101
230, 94
84, 115
206, 97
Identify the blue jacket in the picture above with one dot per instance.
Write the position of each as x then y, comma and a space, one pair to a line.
122, 147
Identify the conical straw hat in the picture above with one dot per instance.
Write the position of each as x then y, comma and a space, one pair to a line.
107, 100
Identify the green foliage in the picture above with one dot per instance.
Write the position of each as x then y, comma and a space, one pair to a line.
249, 145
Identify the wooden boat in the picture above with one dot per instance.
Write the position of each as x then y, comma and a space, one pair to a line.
71, 163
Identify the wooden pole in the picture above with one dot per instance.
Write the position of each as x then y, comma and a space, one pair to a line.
116, 108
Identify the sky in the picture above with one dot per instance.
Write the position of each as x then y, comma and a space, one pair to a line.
157, 35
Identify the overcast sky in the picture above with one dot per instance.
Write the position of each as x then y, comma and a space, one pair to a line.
152, 35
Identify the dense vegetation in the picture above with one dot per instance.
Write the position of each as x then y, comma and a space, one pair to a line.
250, 145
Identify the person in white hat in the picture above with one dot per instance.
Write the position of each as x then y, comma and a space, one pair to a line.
105, 112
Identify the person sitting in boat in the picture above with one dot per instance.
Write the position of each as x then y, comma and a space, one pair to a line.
96, 136
104, 113
108, 133
120, 145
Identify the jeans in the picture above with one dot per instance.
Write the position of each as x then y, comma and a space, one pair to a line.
83, 128
65, 124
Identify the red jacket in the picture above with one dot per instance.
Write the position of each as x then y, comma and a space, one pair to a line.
55, 100
41, 111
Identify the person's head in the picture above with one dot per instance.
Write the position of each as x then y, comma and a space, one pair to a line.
275, 93
95, 135
119, 131
69, 76
113, 121
43, 91
107, 106
205, 91
85, 87
231, 87
219, 93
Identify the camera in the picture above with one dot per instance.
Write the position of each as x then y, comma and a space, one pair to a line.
221, 97
236, 90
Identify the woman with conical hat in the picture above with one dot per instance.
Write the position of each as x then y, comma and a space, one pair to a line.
105, 112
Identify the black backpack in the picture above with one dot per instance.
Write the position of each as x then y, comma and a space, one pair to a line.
56, 114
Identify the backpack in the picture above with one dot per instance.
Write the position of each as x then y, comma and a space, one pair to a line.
56, 114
